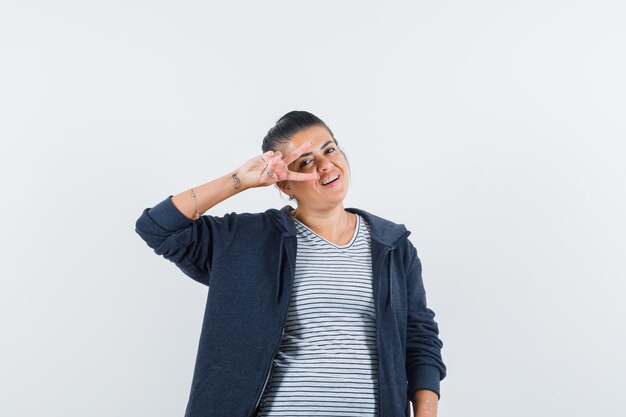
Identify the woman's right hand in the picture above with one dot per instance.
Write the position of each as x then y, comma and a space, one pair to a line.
253, 173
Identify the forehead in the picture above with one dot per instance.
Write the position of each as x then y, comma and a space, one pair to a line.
318, 135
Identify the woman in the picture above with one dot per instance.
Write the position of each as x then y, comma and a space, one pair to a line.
318, 310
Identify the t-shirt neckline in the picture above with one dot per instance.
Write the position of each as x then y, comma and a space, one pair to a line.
345, 246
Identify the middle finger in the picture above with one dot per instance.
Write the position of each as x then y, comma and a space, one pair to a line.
296, 153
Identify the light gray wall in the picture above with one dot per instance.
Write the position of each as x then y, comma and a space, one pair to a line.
493, 129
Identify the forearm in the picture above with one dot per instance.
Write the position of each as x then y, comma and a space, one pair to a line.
208, 194
425, 403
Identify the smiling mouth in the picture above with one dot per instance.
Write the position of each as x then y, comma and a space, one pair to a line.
330, 182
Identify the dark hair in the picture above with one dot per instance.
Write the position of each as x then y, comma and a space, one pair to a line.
291, 123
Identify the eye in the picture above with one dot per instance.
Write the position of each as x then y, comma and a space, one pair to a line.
305, 162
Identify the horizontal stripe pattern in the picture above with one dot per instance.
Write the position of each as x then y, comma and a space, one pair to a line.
327, 361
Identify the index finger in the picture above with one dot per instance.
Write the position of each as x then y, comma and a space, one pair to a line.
301, 176
295, 154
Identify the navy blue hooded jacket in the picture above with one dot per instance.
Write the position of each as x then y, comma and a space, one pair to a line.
248, 261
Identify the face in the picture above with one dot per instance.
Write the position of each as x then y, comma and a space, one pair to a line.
323, 157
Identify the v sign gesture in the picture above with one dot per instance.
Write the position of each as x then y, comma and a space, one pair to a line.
271, 167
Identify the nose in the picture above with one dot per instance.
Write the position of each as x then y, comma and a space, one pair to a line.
325, 164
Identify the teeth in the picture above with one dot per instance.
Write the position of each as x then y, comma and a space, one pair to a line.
330, 179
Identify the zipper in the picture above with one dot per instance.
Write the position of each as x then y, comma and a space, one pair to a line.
282, 333
376, 269
267, 377
378, 374
381, 257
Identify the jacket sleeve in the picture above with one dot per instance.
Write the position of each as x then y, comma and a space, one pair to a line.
424, 364
192, 245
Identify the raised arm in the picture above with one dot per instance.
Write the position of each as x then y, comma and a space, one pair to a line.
176, 228
253, 173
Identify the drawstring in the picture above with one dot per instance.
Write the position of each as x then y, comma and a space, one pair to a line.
389, 287
389, 304
280, 269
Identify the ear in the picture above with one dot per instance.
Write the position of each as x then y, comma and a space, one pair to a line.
283, 186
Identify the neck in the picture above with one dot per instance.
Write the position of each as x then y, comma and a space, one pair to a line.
332, 223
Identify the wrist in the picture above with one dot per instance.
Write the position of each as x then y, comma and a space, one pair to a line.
237, 181
425, 403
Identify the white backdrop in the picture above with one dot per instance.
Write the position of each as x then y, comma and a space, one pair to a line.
494, 130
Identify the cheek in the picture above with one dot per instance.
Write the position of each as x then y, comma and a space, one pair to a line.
342, 161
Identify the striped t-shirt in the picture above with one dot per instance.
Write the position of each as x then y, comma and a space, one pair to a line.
327, 361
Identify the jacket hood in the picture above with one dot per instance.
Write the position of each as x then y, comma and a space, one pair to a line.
383, 231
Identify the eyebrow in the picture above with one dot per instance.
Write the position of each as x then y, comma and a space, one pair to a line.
311, 153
